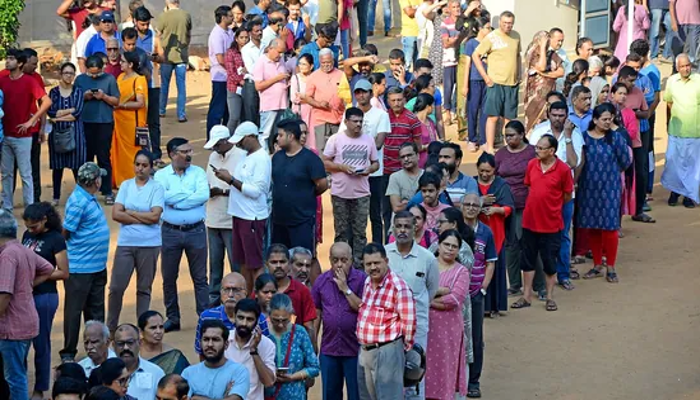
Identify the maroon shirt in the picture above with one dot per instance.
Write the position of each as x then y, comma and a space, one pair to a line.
18, 268
512, 168
301, 301
113, 69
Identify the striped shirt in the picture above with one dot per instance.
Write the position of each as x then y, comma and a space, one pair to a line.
88, 243
484, 253
387, 312
404, 128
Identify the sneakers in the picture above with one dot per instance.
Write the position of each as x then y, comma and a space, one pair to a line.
688, 203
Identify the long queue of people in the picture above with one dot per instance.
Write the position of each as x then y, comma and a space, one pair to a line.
288, 119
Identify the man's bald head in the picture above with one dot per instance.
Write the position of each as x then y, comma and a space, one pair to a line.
341, 248
173, 387
233, 288
234, 278
341, 256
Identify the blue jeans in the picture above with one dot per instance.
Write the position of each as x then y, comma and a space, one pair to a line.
218, 107
166, 72
386, 5
564, 261
345, 42
335, 370
657, 17
14, 359
410, 50
220, 245
46, 305
362, 11
691, 35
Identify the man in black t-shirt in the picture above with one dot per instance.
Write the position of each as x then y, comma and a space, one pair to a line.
298, 177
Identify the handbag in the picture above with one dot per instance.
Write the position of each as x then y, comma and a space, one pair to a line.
142, 137
278, 386
63, 139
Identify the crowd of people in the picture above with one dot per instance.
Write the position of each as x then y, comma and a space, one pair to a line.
295, 113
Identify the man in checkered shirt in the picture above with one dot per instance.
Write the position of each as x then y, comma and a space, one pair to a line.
386, 326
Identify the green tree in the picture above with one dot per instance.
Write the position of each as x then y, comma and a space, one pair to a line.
9, 23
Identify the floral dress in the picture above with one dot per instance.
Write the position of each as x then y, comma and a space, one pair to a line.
435, 52
301, 357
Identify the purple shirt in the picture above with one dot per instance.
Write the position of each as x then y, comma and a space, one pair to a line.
484, 252
18, 268
339, 319
219, 41
512, 168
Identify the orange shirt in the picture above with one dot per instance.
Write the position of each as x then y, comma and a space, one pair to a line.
324, 87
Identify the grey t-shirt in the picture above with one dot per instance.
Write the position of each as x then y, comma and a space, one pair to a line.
403, 185
97, 111
658, 4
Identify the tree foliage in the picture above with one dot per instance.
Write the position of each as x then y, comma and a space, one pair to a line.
9, 23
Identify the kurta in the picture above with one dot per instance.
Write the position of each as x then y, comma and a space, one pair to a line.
73, 159
446, 365
124, 147
301, 357
641, 25
600, 186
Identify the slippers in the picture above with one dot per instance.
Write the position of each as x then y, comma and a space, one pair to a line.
520, 303
551, 306
644, 218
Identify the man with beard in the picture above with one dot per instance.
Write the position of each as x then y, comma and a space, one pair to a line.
96, 341
338, 295
144, 375
216, 377
186, 192
569, 151
418, 268
365, 62
233, 289
302, 260
392, 329
403, 184
250, 348
278, 265
458, 184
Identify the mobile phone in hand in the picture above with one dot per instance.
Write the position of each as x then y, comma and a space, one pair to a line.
213, 168
283, 370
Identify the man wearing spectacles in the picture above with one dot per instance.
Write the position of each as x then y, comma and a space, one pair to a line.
233, 289
144, 375
114, 65
551, 186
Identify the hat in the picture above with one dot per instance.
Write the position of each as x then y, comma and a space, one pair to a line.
89, 172
363, 84
107, 16
217, 133
245, 129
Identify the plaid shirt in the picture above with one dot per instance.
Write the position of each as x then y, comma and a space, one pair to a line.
233, 60
387, 312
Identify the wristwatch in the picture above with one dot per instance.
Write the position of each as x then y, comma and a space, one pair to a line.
254, 352
483, 291
348, 292
568, 140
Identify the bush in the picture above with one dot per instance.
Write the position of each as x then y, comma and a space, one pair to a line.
9, 23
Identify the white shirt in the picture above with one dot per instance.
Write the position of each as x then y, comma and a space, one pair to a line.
217, 207
83, 39
545, 128
374, 122
255, 172
144, 381
250, 53
88, 365
241, 355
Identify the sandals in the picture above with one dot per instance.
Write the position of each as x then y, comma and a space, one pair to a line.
474, 393
514, 292
574, 274
593, 273
644, 218
551, 305
611, 277
566, 284
578, 260
109, 200
520, 303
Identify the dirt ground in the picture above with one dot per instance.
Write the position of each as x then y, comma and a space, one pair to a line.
635, 340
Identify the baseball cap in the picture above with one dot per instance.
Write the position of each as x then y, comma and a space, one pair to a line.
363, 84
217, 133
245, 129
89, 172
107, 16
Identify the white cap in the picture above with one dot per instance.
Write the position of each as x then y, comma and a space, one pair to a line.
217, 133
245, 129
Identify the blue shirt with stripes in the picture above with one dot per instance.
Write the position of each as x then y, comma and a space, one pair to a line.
220, 314
88, 243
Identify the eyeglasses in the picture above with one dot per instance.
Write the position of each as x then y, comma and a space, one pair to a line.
449, 245
471, 205
279, 321
123, 343
233, 290
112, 48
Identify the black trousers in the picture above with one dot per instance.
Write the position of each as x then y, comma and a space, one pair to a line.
377, 187
87, 298
477, 340
154, 122
98, 141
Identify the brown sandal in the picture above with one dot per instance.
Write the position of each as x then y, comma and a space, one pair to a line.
520, 303
550, 305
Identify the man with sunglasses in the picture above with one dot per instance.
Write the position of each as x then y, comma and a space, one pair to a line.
183, 228
114, 57
143, 375
98, 43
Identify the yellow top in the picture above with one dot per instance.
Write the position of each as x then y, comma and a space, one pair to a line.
409, 26
502, 52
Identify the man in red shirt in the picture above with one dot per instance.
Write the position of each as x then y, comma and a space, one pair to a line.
38, 130
551, 186
22, 117
113, 66
279, 265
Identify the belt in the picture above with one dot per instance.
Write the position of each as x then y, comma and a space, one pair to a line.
185, 227
374, 346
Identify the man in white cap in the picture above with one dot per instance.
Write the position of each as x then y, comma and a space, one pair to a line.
226, 156
249, 191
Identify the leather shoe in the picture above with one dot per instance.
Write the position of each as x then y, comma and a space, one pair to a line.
171, 326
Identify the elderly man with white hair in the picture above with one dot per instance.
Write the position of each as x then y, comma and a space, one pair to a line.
271, 77
682, 170
96, 339
322, 95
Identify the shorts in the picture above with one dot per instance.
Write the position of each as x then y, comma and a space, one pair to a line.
302, 235
547, 245
502, 101
322, 132
248, 242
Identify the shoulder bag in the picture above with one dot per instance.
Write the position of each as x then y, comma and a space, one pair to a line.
142, 138
63, 139
278, 386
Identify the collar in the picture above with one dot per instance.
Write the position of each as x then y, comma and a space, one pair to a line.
245, 346
84, 193
172, 170
148, 35
412, 253
572, 113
